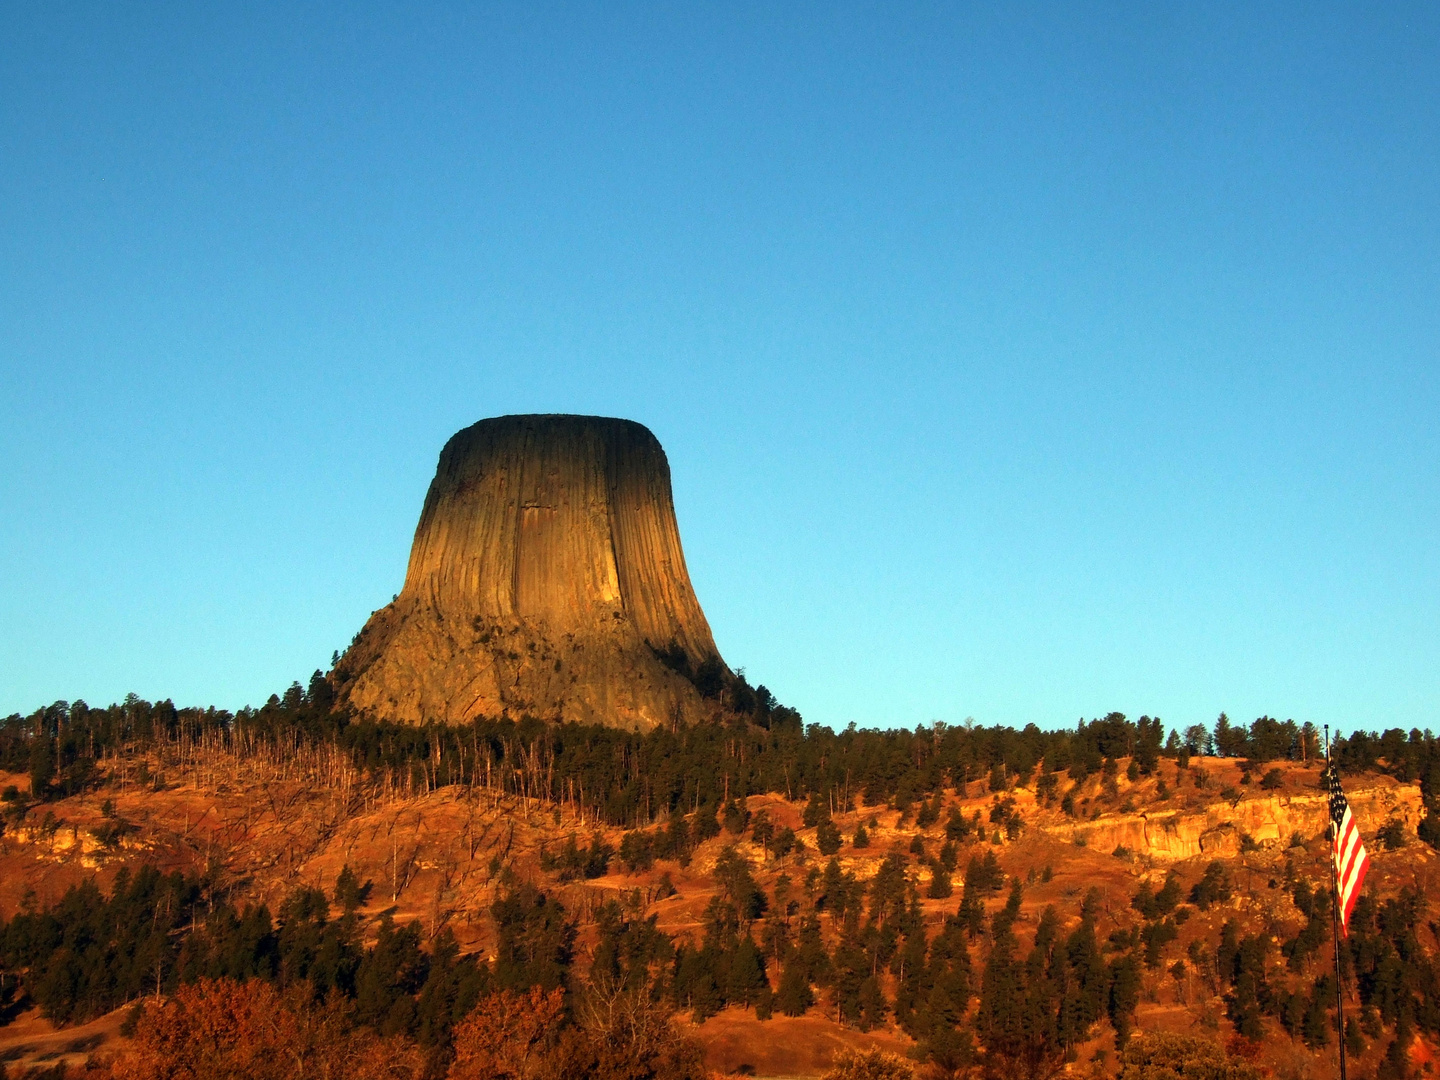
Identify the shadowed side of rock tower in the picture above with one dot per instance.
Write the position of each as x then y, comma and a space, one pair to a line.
546, 579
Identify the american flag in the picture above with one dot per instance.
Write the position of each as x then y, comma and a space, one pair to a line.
1351, 861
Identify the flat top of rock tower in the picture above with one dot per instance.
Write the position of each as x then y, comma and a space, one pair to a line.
556, 420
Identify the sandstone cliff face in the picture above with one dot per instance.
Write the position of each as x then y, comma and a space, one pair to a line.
545, 574
1215, 830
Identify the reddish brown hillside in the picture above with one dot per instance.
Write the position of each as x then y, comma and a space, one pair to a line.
263, 825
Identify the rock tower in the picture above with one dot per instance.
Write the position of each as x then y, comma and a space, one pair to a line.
546, 579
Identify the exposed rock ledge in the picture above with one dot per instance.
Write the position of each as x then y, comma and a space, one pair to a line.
1215, 830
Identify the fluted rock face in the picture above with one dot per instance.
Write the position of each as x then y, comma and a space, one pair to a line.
546, 578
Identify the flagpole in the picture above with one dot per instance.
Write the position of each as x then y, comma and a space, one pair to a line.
1335, 919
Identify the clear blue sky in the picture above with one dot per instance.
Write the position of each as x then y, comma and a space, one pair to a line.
1012, 362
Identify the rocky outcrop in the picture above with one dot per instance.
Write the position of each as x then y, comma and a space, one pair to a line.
546, 579
1216, 830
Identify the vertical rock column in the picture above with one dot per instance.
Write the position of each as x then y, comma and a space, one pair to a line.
545, 577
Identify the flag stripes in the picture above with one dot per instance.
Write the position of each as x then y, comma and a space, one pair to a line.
1351, 859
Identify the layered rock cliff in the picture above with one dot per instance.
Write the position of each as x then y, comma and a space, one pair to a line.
546, 578
1216, 830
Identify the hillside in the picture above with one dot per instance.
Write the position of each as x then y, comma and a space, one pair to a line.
1245, 848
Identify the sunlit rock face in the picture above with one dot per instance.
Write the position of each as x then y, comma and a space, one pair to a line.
546, 579
1216, 831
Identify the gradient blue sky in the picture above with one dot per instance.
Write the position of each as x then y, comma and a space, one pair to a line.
1013, 362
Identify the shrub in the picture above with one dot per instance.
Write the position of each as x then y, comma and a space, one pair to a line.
525, 1036
870, 1064
227, 1030
507, 1035
957, 825
1392, 834
108, 833
1429, 830
1213, 888
1272, 780
637, 851
706, 824
1046, 787
736, 817
929, 813
1159, 1055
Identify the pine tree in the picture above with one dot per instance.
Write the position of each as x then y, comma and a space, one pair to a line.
696, 984
815, 811
736, 817
747, 973
452, 987
1250, 995
948, 856
852, 968
872, 1004
536, 941
1088, 982
764, 1003
1315, 1028
1000, 1019
810, 955
389, 977
957, 826
794, 997
762, 830
1124, 995
349, 893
